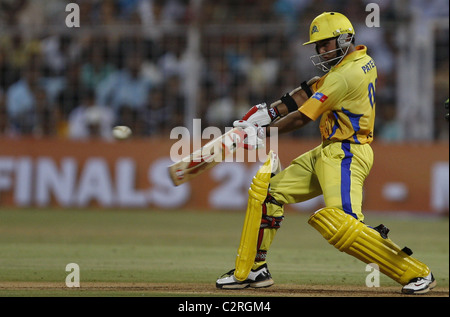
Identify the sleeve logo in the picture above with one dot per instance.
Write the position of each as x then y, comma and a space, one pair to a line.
319, 96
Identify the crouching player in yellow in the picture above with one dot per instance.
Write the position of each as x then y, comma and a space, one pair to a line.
344, 98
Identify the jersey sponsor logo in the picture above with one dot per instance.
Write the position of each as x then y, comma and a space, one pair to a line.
320, 96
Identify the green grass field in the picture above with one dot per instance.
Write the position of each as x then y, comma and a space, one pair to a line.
137, 252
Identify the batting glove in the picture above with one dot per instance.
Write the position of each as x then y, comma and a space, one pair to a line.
254, 135
261, 115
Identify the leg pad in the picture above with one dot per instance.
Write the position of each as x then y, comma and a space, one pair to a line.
366, 244
257, 194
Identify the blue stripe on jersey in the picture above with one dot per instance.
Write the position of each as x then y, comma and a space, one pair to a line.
335, 126
346, 180
354, 120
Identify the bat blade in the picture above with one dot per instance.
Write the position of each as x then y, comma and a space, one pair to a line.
206, 157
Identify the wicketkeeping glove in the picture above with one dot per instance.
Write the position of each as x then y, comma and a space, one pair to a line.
254, 134
261, 115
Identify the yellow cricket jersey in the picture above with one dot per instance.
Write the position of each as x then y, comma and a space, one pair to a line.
345, 97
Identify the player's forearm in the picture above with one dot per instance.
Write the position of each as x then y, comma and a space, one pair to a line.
293, 121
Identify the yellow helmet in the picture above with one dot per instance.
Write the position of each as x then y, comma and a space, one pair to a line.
328, 25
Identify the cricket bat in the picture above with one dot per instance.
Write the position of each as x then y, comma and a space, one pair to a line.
208, 156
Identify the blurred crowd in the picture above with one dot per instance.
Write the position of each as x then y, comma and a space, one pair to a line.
129, 62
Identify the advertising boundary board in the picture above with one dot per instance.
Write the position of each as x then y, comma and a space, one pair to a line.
133, 174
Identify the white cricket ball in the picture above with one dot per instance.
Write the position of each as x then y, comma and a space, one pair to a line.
121, 132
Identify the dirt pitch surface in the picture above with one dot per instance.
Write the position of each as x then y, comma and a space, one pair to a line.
199, 290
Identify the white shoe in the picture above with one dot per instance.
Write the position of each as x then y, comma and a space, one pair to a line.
420, 285
257, 278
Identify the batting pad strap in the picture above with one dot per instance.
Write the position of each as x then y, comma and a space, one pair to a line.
261, 256
366, 244
271, 222
271, 200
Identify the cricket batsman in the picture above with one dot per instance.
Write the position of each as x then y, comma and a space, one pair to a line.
344, 99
